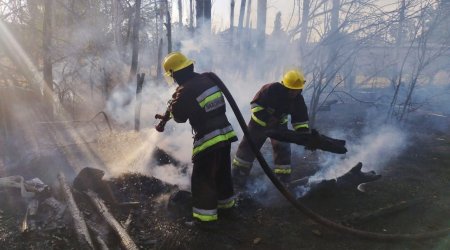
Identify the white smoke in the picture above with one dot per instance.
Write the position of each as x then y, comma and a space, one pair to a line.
375, 150
172, 175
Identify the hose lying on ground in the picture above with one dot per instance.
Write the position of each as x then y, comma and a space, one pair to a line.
296, 203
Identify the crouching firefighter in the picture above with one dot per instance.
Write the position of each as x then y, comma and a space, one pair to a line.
199, 100
270, 109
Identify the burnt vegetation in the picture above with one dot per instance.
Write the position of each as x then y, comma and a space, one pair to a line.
81, 82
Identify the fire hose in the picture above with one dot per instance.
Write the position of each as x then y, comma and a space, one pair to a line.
297, 204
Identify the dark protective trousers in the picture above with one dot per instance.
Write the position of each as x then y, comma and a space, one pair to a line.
281, 150
211, 182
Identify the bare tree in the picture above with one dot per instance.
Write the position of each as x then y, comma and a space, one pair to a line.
249, 10
191, 15
232, 3
241, 17
203, 14
168, 25
261, 23
180, 13
158, 66
135, 52
425, 54
47, 55
304, 24
116, 16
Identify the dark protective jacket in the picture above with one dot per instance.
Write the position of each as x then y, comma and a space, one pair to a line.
201, 102
272, 102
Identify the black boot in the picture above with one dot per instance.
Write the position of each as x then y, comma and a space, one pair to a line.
284, 178
231, 214
240, 177
202, 225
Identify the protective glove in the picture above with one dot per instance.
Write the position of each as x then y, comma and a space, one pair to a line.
273, 122
176, 95
314, 140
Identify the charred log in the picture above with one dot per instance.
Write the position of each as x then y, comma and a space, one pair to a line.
312, 141
91, 178
78, 218
125, 239
162, 157
350, 180
361, 218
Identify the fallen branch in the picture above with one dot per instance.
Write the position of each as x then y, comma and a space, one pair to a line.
98, 236
78, 220
358, 219
125, 239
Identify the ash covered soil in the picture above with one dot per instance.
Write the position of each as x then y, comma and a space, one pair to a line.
421, 173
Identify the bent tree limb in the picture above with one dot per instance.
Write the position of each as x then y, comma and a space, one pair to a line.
358, 219
78, 220
297, 204
125, 240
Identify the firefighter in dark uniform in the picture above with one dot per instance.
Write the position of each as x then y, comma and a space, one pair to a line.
199, 100
270, 109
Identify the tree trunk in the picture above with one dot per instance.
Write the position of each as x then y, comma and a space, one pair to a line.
180, 13
261, 23
32, 6
4, 131
158, 66
106, 83
332, 39
241, 16
116, 24
134, 56
47, 57
203, 14
79, 223
191, 15
137, 111
249, 11
398, 44
335, 16
232, 3
396, 80
168, 25
125, 239
304, 27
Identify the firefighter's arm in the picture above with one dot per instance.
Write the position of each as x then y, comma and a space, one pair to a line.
299, 115
261, 115
179, 110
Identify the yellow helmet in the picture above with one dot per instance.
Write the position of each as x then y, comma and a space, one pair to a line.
175, 61
293, 79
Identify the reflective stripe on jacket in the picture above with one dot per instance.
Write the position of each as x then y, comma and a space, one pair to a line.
200, 101
272, 100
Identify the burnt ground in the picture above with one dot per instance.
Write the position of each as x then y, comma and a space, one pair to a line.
422, 172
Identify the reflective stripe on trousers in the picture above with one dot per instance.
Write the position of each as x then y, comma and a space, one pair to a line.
204, 215
238, 163
227, 203
212, 138
282, 169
